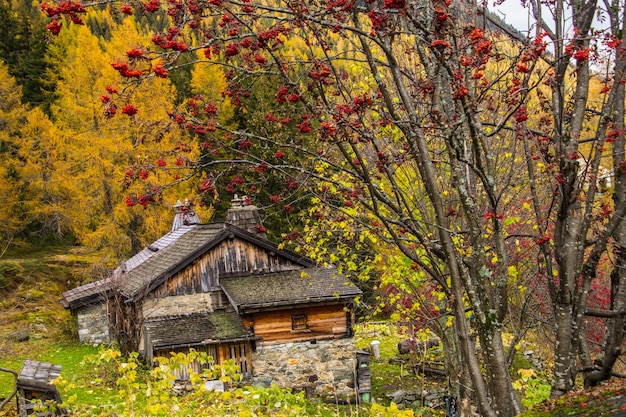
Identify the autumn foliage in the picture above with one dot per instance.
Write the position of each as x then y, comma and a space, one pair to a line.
423, 144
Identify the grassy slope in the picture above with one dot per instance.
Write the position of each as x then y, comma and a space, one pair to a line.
608, 399
32, 280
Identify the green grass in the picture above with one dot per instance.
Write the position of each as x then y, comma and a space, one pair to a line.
92, 391
67, 354
391, 372
32, 280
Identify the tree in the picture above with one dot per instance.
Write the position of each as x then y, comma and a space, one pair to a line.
23, 46
102, 154
12, 115
411, 121
33, 185
587, 129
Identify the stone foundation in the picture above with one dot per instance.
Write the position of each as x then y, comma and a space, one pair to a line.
93, 324
329, 365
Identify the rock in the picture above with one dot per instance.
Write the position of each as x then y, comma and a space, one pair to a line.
263, 382
216, 386
397, 396
20, 336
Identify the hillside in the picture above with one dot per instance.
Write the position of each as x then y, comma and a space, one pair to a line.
32, 280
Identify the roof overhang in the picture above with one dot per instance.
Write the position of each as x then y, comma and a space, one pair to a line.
229, 232
288, 305
208, 342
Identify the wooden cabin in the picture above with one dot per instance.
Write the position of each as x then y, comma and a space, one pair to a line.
223, 288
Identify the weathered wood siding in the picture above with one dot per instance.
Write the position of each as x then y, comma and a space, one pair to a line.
240, 353
231, 257
324, 322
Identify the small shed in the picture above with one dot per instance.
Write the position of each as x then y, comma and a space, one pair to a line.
35, 384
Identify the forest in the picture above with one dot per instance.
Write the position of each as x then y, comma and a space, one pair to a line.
469, 176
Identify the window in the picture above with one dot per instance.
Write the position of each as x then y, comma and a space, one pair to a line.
299, 322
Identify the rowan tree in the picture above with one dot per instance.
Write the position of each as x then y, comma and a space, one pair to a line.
581, 141
410, 123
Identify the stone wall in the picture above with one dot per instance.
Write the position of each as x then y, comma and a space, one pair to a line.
93, 324
178, 305
328, 364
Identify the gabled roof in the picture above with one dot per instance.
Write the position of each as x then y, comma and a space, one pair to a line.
197, 329
170, 259
39, 376
159, 261
313, 285
187, 249
87, 293
99, 290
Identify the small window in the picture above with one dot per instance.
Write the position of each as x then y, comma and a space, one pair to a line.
299, 322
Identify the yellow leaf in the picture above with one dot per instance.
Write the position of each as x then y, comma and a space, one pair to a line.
526, 373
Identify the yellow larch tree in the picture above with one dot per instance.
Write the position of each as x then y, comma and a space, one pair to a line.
108, 154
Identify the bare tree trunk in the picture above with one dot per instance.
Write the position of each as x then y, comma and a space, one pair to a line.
498, 372
458, 379
563, 373
617, 321
574, 217
126, 321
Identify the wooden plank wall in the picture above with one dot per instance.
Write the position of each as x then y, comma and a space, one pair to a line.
181, 373
239, 352
275, 327
231, 257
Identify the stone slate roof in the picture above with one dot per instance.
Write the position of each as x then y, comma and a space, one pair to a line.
197, 329
187, 249
256, 292
171, 258
98, 290
165, 257
85, 294
38, 376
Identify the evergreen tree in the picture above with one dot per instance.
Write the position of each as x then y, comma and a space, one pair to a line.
23, 46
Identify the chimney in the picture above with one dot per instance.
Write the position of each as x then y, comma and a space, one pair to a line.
246, 216
185, 215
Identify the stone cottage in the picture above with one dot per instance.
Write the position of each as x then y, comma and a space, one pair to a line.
224, 289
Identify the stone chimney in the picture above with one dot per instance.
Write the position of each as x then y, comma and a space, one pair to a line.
185, 215
245, 215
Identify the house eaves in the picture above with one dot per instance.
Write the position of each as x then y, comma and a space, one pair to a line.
101, 290
181, 255
298, 287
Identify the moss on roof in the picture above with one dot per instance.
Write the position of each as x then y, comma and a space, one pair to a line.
196, 329
290, 287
